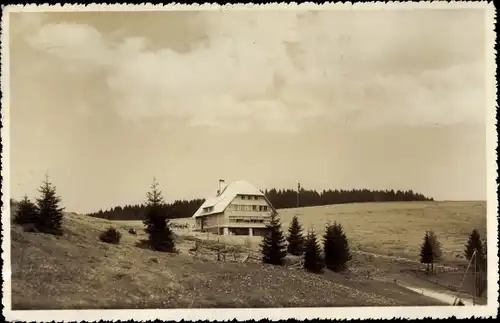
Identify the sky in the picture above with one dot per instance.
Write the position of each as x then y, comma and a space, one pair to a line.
378, 99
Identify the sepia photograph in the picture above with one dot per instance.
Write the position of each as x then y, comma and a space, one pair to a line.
337, 161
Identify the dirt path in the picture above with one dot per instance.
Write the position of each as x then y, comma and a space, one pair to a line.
440, 296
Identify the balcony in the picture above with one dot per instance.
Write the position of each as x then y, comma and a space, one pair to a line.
249, 220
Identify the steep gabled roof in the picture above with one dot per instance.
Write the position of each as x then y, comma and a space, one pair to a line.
222, 201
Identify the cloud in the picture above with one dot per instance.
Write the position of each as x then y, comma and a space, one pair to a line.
273, 70
79, 47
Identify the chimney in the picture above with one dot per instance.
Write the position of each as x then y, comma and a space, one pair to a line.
221, 182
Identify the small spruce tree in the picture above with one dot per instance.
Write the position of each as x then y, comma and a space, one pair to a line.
436, 249
336, 247
426, 252
26, 212
475, 243
313, 260
160, 235
50, 214
295, 238
273, 246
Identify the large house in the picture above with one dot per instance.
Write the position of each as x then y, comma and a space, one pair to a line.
238, 209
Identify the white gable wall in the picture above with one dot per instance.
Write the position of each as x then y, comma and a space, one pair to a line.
240, 205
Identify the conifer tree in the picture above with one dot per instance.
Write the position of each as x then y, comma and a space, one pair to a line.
482, 279
475, 243
336, 247
160, 235
426, 252
273, 246
50, 214
295, 238
437, 252
26, 212
313, 260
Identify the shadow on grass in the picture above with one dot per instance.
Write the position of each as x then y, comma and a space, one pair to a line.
143, 244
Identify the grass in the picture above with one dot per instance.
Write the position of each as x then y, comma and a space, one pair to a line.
387, 237
77, 271
393, 228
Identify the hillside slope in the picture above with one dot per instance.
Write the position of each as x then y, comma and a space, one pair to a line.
79, 271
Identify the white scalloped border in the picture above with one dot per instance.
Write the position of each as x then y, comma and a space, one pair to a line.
410, 312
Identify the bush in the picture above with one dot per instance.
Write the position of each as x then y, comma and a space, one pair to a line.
132, 231
111, 235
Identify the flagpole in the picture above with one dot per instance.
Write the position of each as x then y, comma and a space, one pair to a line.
298, 193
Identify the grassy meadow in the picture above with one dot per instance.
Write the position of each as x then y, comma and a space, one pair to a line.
391, 228
398, 227
77, 271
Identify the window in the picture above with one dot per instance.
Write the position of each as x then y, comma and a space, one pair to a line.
243, 197
254, 207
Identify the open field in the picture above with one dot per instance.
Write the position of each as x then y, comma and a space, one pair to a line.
78, 271
398, 228
392, 228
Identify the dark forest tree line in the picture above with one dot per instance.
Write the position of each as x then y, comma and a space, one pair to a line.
280, 199
175, 210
